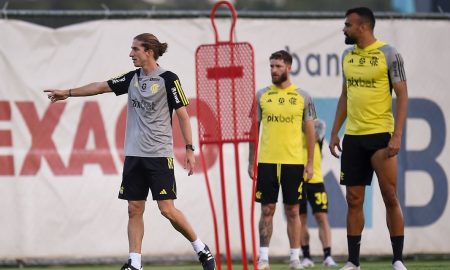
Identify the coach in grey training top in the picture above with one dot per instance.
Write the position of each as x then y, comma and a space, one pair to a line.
153, 95
151, 101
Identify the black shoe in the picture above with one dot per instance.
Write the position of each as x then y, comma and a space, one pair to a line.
128, 266
207, 259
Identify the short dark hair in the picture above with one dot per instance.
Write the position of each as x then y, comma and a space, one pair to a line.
283, 55
365, 13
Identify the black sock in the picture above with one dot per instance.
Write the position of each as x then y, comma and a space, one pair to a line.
326, 252
305, 251
354, 244
397, 247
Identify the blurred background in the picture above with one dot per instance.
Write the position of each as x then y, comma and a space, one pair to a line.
60, 164
35, 10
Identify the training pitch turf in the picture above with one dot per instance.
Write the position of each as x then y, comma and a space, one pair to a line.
378, 265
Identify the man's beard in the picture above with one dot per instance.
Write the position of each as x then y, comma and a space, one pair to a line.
349, 40
281, 79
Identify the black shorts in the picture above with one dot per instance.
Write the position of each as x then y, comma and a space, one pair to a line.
357, 150
316, 195
143, 173
271, 176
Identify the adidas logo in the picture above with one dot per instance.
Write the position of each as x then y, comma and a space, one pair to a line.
163, 192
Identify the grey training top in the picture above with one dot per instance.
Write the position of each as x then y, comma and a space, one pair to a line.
151, 101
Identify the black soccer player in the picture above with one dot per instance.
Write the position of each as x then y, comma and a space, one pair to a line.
372, 139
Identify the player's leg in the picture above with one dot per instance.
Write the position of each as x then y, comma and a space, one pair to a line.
355, 220
304, 230
164, 191
265, 233
324, 231
304, 240
135, 234
325, 238
356, 173
304, 235
318, 200
135, 225
267, 189
386, 170
291, 179
181, 224
303, 211
355, 224
293, 224
266, 223
134, 188
293, 230
177, 219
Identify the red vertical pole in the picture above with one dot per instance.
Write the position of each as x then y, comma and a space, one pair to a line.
237, 165
213, 210
241, 212
224, 207
222, 174
252, 217
220, 145
255, 174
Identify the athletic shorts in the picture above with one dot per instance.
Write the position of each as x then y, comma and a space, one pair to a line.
357, 150
316, 195
143, 173
272, 176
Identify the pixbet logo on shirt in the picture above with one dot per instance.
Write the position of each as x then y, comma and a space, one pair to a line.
280, 118
360, 82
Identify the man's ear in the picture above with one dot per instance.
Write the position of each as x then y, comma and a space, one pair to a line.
364, 27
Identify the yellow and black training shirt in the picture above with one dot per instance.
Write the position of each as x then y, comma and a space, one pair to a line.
282, 112
319, 127
369, 74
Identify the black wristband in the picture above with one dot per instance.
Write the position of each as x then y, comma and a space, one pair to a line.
190, 147
70, 92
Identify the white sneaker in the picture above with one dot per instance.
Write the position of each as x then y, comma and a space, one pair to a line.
295, 264
329, 262
307, 262
398, 265
350, 266
263, 265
